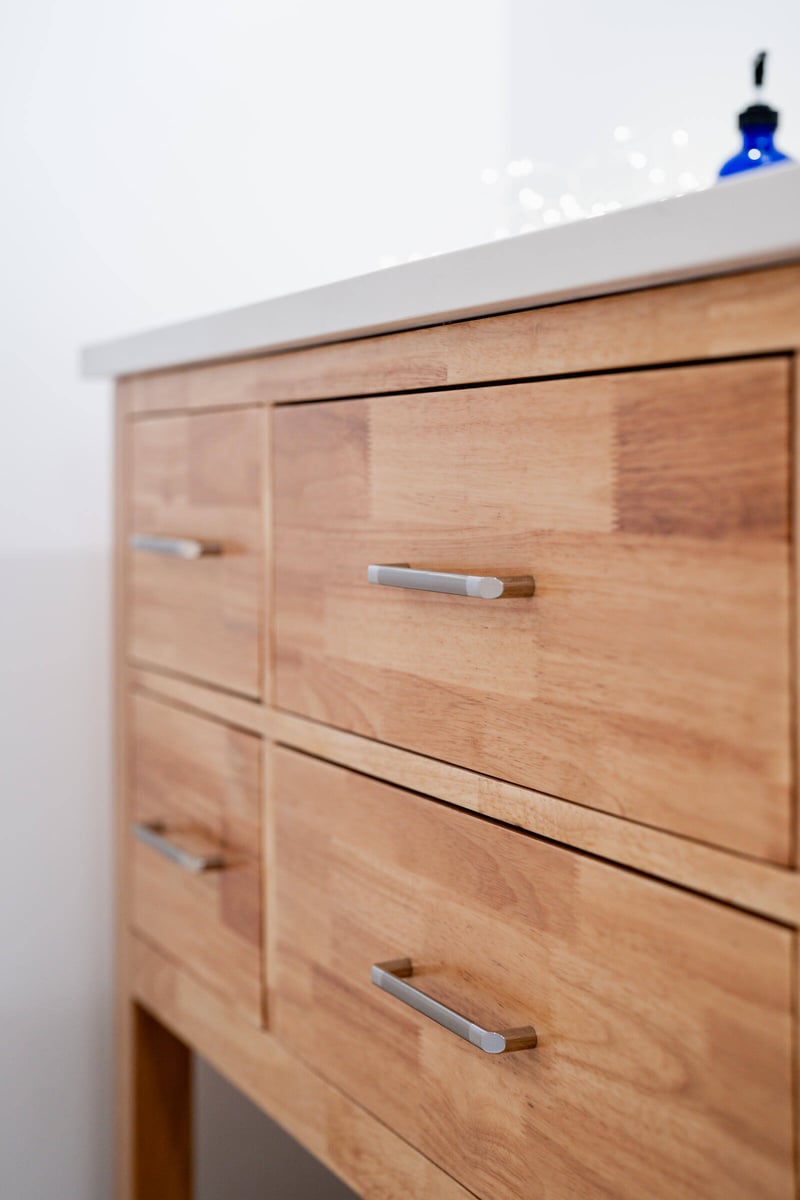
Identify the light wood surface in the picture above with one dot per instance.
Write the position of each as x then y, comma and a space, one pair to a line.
220, 386
199, 476
267, 535
124, 1041
747, 313
707, 319
237, 711
202, 780
649, 674
664, 1063
794, 647
756, 886
375, 1162
152, 1069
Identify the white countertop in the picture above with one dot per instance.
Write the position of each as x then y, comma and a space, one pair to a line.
751, 221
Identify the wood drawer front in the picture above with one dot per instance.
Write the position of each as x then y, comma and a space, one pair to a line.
200, 781
649, 674
663, 1067
199, 477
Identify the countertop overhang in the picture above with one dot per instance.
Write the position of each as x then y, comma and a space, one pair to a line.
751, 221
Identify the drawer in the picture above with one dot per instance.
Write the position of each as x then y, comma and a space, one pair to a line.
196, 846
195, 581
648, 675
663, 1067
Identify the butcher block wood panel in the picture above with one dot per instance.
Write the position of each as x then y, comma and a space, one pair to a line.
649, 674
664, 1058
185, 693
370, 1158
745, 313
199, 477
201, 781
752, 884
220, 385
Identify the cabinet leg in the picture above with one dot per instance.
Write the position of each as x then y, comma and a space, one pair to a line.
156, 1163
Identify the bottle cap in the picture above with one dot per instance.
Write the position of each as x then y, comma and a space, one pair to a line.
758, 116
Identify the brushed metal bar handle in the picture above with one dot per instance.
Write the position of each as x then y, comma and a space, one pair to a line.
174, 547
152, 834
391, 977
479, 587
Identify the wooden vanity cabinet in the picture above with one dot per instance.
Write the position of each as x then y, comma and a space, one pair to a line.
456, 758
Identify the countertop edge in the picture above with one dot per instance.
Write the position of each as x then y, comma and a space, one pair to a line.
746, 223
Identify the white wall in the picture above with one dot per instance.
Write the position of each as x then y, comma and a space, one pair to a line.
159, 159
166, 158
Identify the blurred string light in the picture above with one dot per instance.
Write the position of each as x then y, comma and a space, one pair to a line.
519, 166
629, 168
528, 198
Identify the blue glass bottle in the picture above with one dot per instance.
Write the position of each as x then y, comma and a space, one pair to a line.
757, 123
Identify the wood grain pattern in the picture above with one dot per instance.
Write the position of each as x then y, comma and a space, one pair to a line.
648, 677
664, 1064
218, 386
152, 1069
757, 886
267, 534
746, 313
237, 711
794, 647
124, 1042
162, 1130
202, 780
375, 1162
199, 476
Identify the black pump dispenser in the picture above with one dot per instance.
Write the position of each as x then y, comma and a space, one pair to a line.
757, 114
